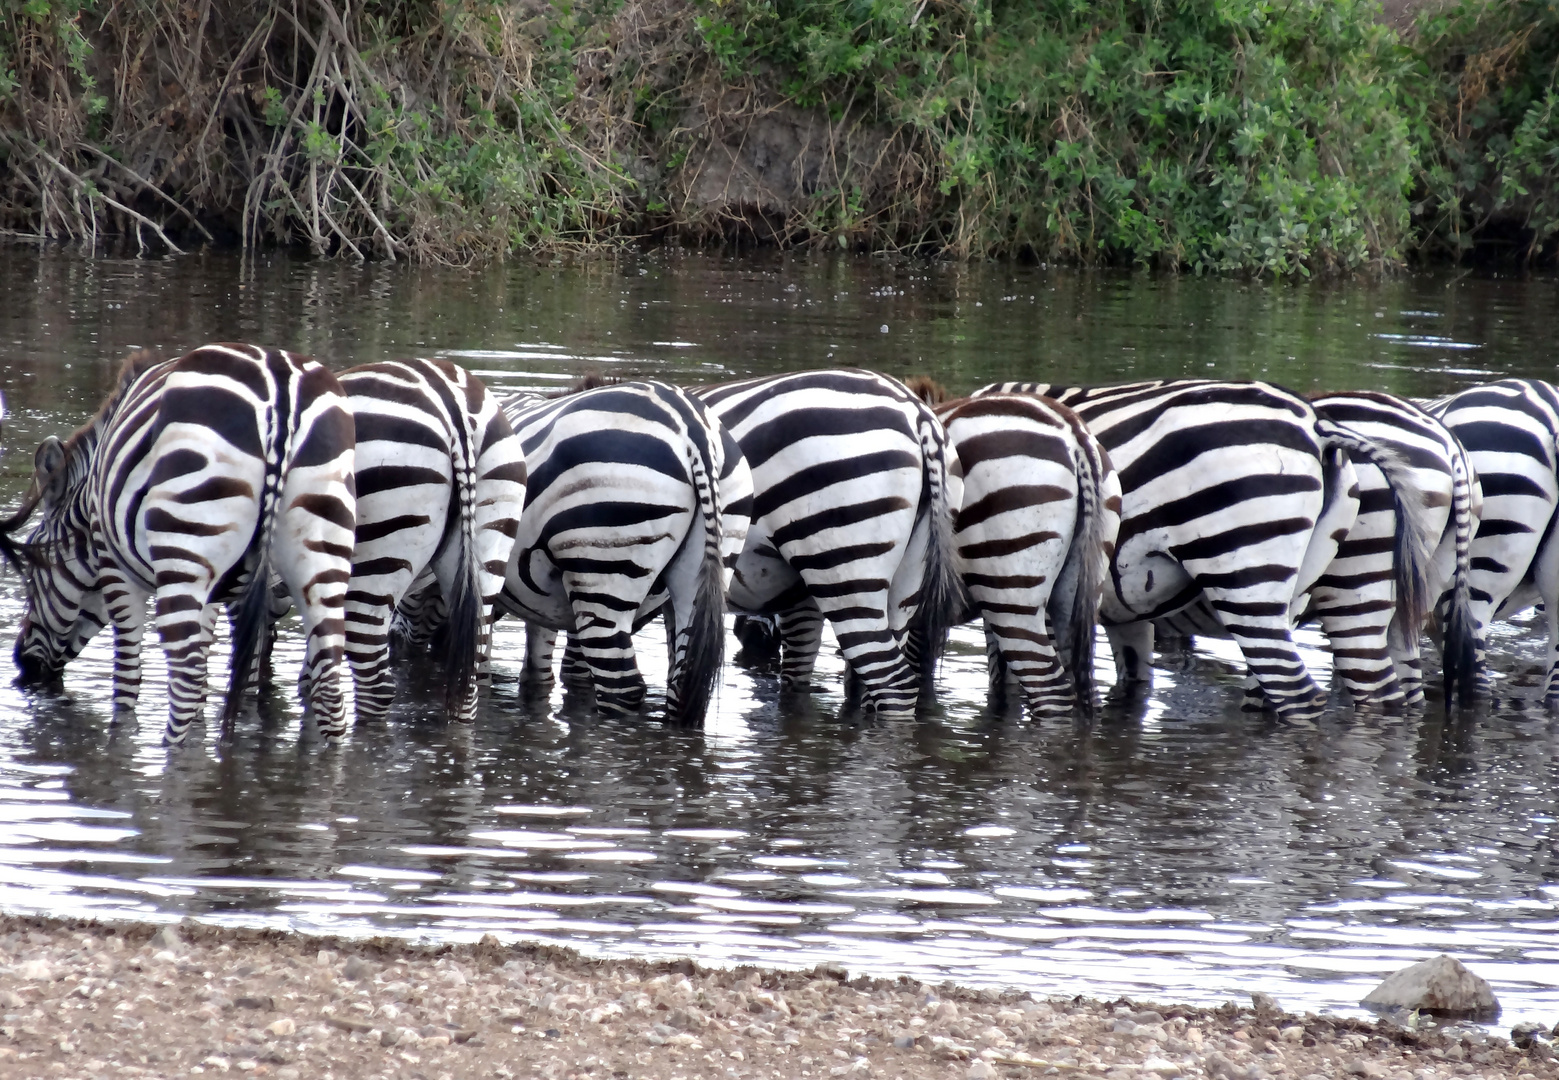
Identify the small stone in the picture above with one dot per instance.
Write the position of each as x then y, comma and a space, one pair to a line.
981, 1070
283, 1027
1367, 1069
1442, 986
1525, 1036
288, 1073
454, 976
221, 1064
1162, 1066
904, 1042
10, 999
266, 1002
356, 968
389, 1037
35, 971
437, 1042
945, 1013
325, 958
1266, 1004
1292, 1034
168, 938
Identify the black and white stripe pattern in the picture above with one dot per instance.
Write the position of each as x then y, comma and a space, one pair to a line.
440, 486
1034, 537
636, 503
1236, 491
853, 490
1510, 429
196, 479
1370, 611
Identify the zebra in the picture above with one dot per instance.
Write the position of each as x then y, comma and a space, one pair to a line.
1362, 599
1233, 491
1510, 429
637, 502
195, 479
440, 485
1034, 536
1370, 615
853, 489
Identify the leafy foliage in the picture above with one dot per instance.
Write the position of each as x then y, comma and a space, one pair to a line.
1261, 136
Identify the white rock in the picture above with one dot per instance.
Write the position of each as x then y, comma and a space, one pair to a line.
35, 971
981, 1070
1442, 986
1162, 1067
168, 938
283, 1027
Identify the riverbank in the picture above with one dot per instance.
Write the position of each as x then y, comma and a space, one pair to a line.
1241, 135
81, 999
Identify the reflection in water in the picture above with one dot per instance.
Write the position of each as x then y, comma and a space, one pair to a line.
1174, 849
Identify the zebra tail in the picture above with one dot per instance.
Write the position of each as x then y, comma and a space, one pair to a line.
463, 632
1459, 652
1086, 563
706, 630
941, 589
250, 618
1414, 554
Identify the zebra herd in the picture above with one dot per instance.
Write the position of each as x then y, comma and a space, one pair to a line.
403, 501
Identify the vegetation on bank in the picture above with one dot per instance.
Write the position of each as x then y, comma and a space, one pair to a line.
1281, 137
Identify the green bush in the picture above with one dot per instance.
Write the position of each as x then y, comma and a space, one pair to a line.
1489, 133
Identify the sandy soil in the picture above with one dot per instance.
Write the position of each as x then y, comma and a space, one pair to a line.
93, 1000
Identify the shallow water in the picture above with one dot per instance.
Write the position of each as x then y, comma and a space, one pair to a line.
1174, 850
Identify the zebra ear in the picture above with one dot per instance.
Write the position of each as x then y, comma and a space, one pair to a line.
48, 476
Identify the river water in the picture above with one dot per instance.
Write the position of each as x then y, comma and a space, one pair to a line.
1176, 850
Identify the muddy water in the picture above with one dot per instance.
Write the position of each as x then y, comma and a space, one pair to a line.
1174, 850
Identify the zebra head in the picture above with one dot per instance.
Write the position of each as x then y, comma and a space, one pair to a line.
64, 605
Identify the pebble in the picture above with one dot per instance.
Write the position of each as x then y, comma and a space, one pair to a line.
325, 958
168, 938
283, 1027
10, 999
981, 1070
35, 971
356, 968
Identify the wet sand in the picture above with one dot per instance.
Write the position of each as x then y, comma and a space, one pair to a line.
83, 999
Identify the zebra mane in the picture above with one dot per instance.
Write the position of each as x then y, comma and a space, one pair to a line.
927, 389
78, 452
590, 380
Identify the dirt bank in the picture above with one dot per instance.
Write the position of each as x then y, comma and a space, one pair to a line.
95, 1000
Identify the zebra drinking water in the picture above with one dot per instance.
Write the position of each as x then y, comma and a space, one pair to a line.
854, 488
637, 501
1233, 491
195, 479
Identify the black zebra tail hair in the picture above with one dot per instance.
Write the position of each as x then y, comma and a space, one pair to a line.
463, 632
941, 588
706, 630
1086, 564
250, 618
1459, 648
1415, 546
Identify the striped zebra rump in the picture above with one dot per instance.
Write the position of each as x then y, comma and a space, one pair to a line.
1033, 540
1224, 485
634, 508
1376, 595
853, 490
196, 481
1509, 430
440, 486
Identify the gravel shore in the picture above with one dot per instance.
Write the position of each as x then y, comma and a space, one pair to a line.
80, 999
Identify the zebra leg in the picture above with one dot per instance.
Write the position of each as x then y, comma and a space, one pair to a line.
575, 671
1132, 646
187, 635
1546, 578
539, 644
1409, 665
126, 607
1024, 642
1361, 653
313, 553
606, 645
801, 636
1267, 643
